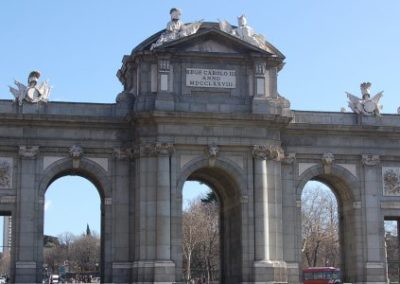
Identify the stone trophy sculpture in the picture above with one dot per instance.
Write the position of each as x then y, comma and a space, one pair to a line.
365, 105
176, 29
34, 92
244, 32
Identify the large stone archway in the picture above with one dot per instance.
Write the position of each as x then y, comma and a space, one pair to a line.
56, 168
346, 189
203, 106
226, 180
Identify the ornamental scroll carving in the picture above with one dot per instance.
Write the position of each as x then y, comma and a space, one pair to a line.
5, 172
391, 181
270, 152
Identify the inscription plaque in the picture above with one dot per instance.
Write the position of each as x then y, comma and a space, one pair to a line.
210, 78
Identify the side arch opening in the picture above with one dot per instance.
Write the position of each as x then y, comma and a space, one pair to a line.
331, 195
70, 183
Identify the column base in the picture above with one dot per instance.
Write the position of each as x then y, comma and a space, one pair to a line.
25, 272
121, 272
375, 272
270, 272
164, 272
155, 272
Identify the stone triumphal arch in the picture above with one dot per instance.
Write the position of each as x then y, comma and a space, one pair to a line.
200, 102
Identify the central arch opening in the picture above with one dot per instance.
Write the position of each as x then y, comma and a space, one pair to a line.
215, 200
72, 231
201, 234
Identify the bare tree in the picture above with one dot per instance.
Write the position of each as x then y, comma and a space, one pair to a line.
201, 240
5, 263
85, 253
191, 228
66, 239
319, 228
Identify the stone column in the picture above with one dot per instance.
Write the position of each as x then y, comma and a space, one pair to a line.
163, 206
261, 203
373, 221
164, 268
120, 203
26, 253
269, 264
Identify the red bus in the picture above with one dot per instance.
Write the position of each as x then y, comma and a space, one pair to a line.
321, 275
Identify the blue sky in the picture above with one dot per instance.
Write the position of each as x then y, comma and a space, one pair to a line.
330, 47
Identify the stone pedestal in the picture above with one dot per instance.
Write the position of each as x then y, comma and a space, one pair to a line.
269, 272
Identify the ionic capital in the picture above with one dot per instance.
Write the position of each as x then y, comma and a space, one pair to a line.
270, 152
370, 159
28, 152
153, 149
164, 149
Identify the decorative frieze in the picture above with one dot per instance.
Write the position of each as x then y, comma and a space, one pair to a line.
260, 68
370, 160
8, 199
164, 65
28, 152
391, 181
6, 169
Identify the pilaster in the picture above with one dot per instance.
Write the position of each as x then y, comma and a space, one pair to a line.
375, 262
26, 250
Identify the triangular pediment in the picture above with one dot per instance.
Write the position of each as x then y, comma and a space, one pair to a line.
210, 39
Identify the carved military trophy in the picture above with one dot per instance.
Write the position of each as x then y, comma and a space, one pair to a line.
34, 92
365, 105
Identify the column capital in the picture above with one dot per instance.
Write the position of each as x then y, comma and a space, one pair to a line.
164, 149
153, 149
28, 152
123, 153
270, 152
370, 159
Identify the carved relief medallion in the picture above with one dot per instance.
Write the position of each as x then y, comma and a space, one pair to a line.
391, 181
5, 172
